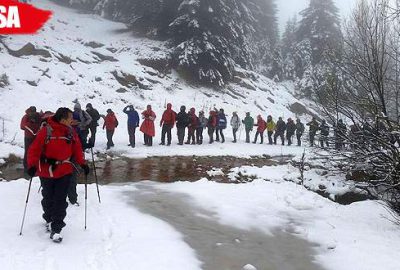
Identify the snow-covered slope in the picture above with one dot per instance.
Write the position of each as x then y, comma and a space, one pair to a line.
84, 57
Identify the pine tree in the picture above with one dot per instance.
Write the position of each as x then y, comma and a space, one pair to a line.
288, 49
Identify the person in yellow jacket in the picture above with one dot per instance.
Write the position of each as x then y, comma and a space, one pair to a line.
270, 128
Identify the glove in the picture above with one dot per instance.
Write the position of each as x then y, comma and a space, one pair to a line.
32, 171
85, 169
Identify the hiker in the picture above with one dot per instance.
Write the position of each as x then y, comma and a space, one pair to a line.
314, 127
133, 123
30, 124
221, 125
270, 128
261, 125
110, 124
290, 130
235, 124
324, 128
299, 131
147, 126
340, 134
211, 125
49, 158
167, 123
201, 126
280, 131
94, 114
81, 124
192, 126
182, 121
248, 126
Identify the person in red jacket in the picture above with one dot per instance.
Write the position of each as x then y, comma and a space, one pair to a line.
167, 123
211, 125
110, 123
147, 126
49, 157
30, 124
193, 123
261, 126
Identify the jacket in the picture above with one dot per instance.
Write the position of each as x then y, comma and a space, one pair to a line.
30, 123
110, 121
147, 126
261, 125
168, 117
235, 122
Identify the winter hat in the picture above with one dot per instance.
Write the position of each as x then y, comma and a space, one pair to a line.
109, 111
148, 107
77, 106
89, 105
183, 108
169, 106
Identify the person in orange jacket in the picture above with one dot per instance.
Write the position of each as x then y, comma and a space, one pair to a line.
147, 126
110, 123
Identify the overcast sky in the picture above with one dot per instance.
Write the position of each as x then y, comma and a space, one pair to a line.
288, 8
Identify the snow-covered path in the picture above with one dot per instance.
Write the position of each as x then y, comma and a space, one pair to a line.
221, 246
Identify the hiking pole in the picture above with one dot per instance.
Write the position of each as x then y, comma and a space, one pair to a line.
95, 175
26, 204
85, 199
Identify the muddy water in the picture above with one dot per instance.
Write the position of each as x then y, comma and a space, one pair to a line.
221, 247
159, 169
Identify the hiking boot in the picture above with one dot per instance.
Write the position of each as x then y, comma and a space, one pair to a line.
48, 226
56, 237
162, 143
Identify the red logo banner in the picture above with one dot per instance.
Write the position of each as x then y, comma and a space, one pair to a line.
19, 18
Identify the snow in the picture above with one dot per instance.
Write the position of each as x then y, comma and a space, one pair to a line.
117, 236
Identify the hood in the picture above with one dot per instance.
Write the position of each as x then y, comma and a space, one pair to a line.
169, 106
183, 108
192, 110
77, 106
57, 126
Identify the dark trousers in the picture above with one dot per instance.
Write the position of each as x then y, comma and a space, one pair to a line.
54, 202
166, 131
72, 195
280, 135
148, 140
92, 139
261, 135
191, 136
131, 133
27, 143
110, 134
181, 135
323, 140
234, 131
248, 135
211, 134
298, 135
84, 135
199, 135
219, 132
270, 137
312, 137
289, 137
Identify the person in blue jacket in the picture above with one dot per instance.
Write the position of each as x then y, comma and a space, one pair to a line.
133, 123
221, 125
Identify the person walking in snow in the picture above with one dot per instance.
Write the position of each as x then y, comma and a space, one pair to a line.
280, 131
182, 121
167, 123
147, 126
81, 124
299, 131
30, 124
290, 130
221, 125
133, 123
49, 157
201, 126
94, 114
235, 124
313, 128
270, 128
193, 123
261, 125
110, 124
248, 125
340, 134
323, 138
211, 125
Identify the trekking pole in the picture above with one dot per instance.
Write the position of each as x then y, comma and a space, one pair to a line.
26, 204
39, 189
95, 175
85, 199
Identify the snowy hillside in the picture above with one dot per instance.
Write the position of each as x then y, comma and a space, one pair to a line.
84, 57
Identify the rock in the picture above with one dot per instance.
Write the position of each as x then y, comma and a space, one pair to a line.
103, 57
110, 49
98, 79
129, 80
64, 59
162, 65
121, 90
32, 83
271, 100
244, 83
93, 44
298, 108
4, 81
28, 49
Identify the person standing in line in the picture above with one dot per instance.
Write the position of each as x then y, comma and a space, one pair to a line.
261, 126
248, 125
81, 124
147, 126
133, 123
202, 125
193, 123
280, 131
49, 157
167, 123
314, 127
323, 139
110, 124
299, 131
30, 124
182, 121
221, 125
235, 124
94, 114
211, 125
270, 128
290, 130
